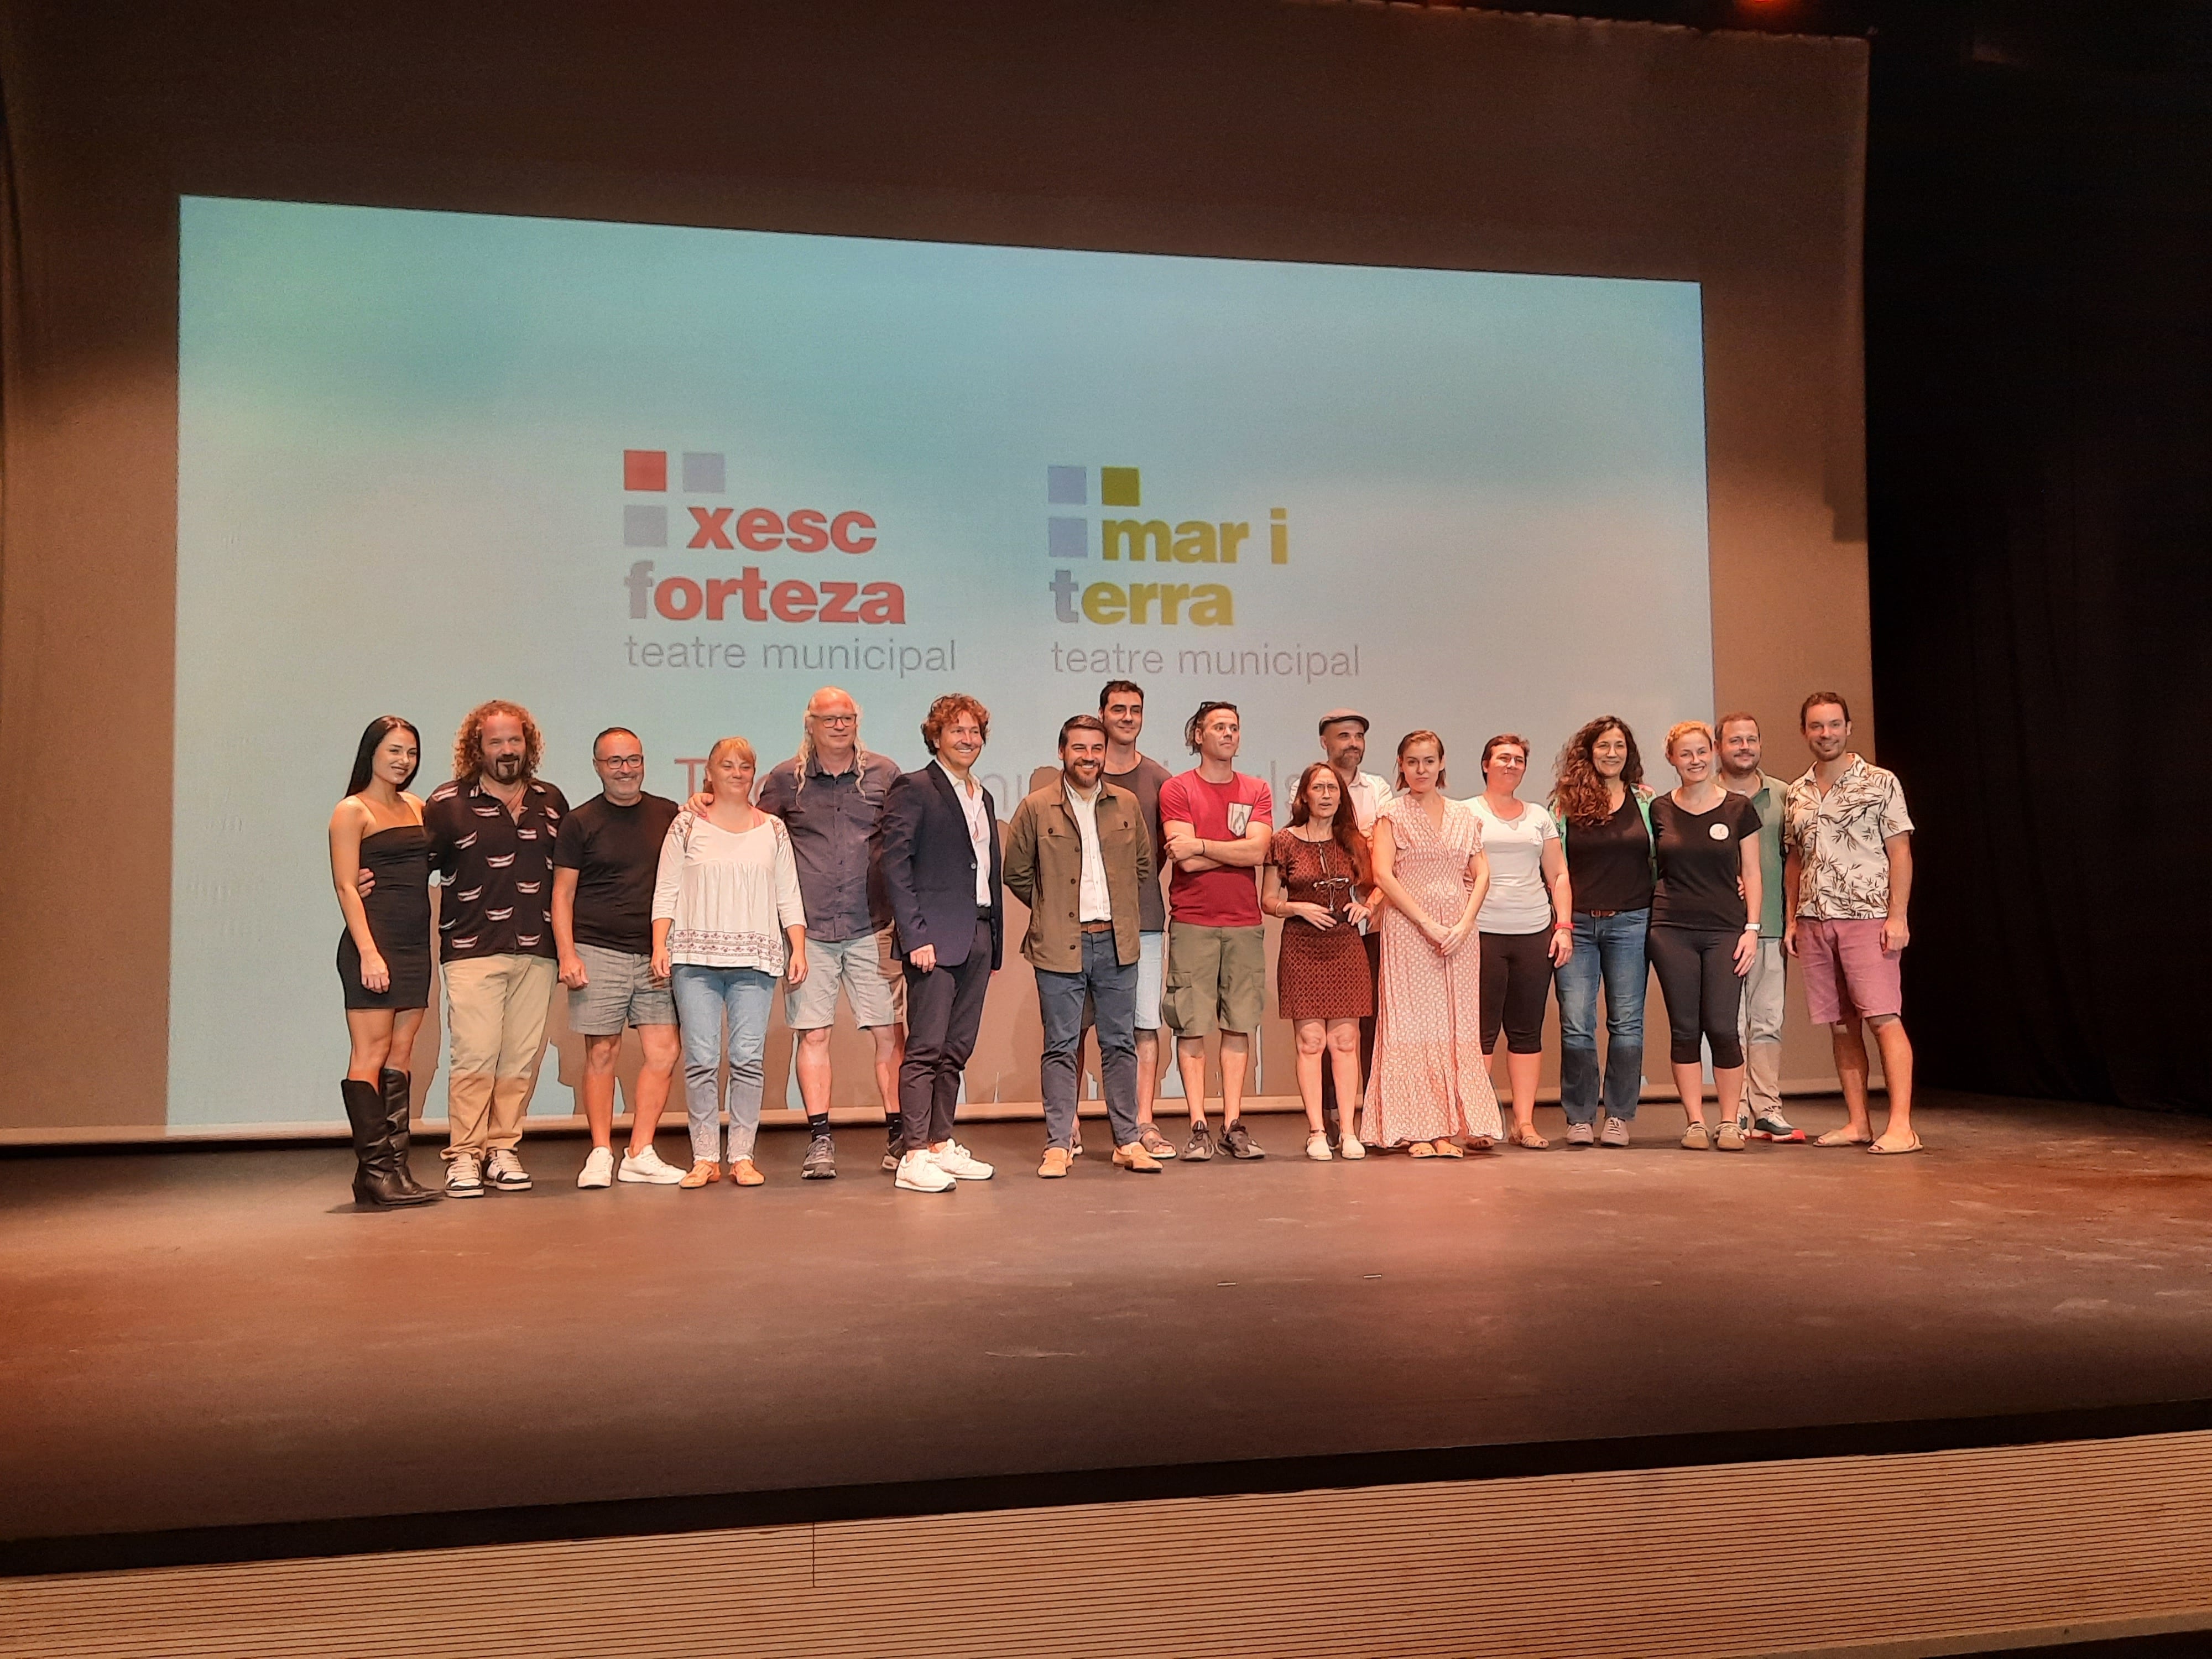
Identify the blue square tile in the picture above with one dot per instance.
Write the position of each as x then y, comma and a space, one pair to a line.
703, 474
645, 526
1068, 538
1066, 486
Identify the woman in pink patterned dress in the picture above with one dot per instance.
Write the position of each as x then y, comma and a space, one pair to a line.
1429, 1084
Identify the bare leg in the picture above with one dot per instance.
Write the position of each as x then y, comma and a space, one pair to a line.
811, 1062
1727, 1090
1344, 1057
1897, 1078
1236, 1060
1313, 1043
663, 1047
370, 1031
1851, 1073
1690, 1081
1190, 1060
600, 1054
890, 1049
1522, 1071
1148, 1073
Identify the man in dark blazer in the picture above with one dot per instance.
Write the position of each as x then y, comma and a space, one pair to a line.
943, 870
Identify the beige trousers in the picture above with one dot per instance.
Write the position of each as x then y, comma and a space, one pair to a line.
495, 1010
1759, 1022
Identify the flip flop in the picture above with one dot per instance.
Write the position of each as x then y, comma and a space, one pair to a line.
1446, 1149
1880, 1151
1843, 1138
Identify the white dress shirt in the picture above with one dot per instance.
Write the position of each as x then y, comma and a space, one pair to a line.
1092, 902
971, 797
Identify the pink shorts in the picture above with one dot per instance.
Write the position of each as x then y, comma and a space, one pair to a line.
1847, 973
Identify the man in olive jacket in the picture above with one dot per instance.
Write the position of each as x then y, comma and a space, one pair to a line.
1077, 853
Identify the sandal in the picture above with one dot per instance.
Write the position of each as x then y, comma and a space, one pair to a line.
1842, 1138
1421, 1149
1880, 1151
1450, 1149
743, 1173
1528, 1137
702, 1173
1480, 1144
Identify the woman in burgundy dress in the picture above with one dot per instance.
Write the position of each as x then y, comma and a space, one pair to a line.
1318, 881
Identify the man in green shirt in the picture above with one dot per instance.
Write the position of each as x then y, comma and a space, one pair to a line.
1760, 1019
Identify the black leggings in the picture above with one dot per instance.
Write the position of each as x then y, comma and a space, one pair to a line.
1696, 975
1517, 977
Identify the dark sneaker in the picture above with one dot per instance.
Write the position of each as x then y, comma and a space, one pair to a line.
820, 1162
1772, 1125
1237, 1140
1200, 1147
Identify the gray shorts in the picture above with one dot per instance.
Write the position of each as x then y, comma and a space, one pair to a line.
863, 965
618, 990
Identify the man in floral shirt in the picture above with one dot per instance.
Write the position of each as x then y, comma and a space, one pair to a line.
1848, 874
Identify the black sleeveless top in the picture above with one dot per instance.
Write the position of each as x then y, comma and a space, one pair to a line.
399, 909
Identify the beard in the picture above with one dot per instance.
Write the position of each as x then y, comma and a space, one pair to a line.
507, 768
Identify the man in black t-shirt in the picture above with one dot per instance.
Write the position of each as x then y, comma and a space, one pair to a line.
605, 864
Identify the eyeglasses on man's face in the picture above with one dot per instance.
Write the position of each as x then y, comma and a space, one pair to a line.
622, 762
836, 719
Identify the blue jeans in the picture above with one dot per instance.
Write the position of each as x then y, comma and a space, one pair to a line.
1608, 949
704, 998
1112, 988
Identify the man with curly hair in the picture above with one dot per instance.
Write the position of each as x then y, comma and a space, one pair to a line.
492, 832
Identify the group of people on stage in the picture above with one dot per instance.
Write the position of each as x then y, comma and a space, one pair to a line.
1417, 929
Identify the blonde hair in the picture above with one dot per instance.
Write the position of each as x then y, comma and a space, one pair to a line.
806, 756
1681, 729
739, 744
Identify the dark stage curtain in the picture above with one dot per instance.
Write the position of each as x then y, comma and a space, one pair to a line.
2040, 450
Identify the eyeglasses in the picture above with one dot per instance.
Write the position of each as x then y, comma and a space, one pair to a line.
624, 762
836, 719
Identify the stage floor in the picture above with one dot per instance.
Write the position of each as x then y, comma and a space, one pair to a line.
217, 1337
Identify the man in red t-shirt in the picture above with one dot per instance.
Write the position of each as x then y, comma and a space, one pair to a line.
1218, 823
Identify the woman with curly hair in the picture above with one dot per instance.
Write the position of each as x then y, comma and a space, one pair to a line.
1318, 881
1603, 813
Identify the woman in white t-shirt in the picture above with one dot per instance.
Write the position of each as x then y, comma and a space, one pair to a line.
1527, 924
728, 922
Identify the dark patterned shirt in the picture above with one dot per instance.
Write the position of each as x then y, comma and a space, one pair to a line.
497, 867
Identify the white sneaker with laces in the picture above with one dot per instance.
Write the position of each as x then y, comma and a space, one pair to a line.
919, 1172
464, 1176
952, 1157
504, 1171
1615, 1133
598, 1169
646, 1166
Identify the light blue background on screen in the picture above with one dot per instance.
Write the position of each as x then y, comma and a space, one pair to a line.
401, 490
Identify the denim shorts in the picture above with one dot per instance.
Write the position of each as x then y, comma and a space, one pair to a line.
618, 990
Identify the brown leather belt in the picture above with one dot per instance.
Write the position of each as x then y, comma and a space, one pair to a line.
1098, 926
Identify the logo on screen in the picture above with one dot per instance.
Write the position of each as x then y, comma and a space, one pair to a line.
1121, 535
712, 526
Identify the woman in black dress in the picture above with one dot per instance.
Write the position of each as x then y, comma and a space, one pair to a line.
384, 956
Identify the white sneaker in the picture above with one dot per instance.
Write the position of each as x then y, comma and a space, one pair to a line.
1317, 1148
464, 1176
646, 1166
918, 1172
503, 1171
952, 1157
599, 1169
1615, 1133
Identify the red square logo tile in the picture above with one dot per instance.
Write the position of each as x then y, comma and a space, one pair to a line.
645, 469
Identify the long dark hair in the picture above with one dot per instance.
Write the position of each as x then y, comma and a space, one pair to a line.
364, 764
1578, 794
1343, 829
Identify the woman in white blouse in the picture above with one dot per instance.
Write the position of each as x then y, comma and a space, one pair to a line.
723, 910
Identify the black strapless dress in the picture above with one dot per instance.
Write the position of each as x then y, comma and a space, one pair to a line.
399, 919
